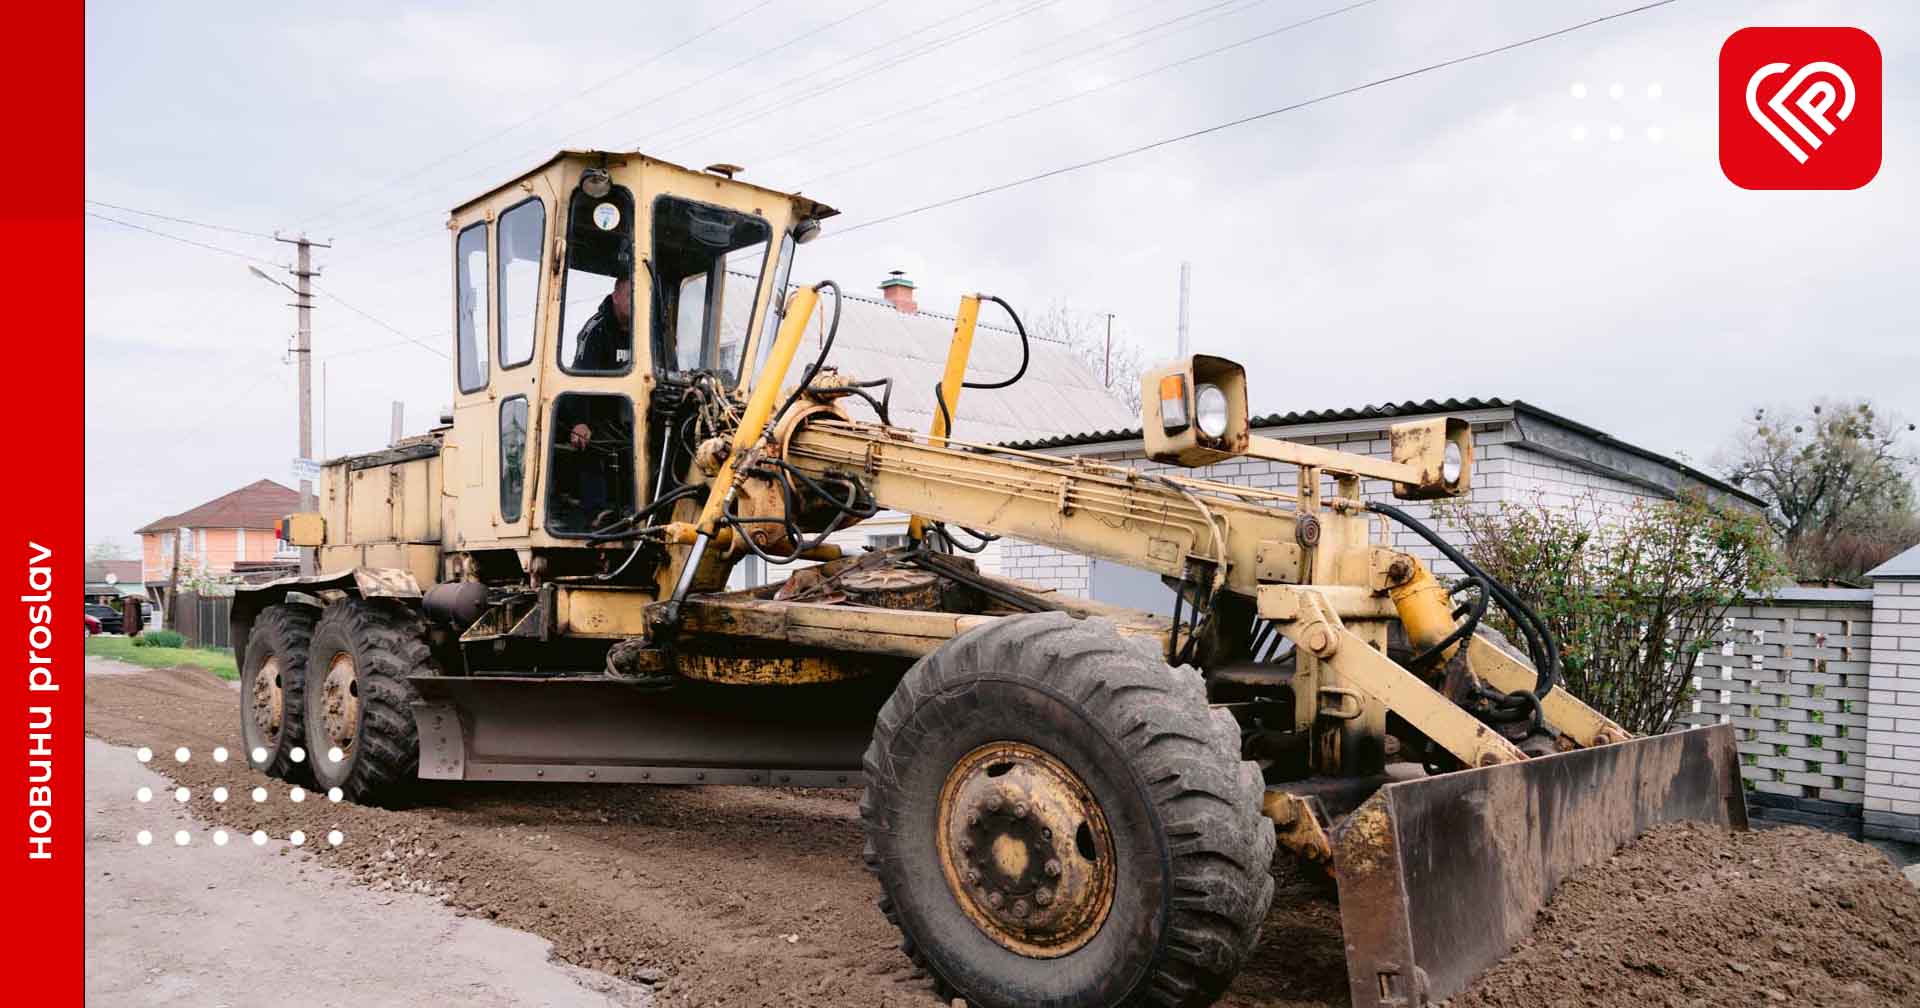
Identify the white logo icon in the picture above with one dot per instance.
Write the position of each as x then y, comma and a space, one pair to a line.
1814, 101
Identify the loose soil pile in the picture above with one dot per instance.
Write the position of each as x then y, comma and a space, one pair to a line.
757, 896
1689, 915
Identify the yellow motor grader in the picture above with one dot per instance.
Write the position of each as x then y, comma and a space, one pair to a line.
1066, 803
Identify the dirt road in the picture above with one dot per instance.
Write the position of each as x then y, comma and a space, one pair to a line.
204, 924
718, 896
753, 896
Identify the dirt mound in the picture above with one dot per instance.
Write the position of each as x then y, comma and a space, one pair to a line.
1689, 915
756, 896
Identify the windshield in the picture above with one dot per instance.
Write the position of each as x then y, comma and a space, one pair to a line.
707, 264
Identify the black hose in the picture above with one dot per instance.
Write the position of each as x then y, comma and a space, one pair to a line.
819, 362
1542, 648
1026, 357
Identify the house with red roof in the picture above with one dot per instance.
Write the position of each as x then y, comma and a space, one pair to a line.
228, 534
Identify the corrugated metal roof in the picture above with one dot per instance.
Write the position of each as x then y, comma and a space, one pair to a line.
1410, 408
1058, 394
1906, 565
1426, 407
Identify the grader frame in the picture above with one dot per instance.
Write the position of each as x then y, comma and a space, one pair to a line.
540, 654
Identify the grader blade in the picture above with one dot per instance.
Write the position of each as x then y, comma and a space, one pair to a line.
600, 730
1440, 877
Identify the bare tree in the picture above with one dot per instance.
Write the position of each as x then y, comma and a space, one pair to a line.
1837, 483
106, 549
1085, 333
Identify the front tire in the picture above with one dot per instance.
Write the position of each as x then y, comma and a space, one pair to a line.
359, 704
1056, 817
272, 707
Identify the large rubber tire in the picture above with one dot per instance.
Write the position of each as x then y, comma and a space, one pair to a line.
277, 645
1192, 850
383, 642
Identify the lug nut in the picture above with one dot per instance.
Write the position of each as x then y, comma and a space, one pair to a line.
966, 845
973, 818
1019, 908
1053, 868
993, 803
1043, 897
973, 876
995, 899
1020, 810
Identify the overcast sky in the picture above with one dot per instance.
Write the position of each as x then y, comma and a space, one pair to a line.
1475, 231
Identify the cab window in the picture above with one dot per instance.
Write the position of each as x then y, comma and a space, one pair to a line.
513, 457
596, 299
470, 306
707, 263
521, 239
590, 463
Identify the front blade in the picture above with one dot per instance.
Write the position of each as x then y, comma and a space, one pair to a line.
1440, 877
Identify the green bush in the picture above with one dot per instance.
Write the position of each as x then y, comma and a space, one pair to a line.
160, 638
1634, 593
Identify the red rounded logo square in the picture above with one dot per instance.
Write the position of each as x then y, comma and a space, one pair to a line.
1800, 108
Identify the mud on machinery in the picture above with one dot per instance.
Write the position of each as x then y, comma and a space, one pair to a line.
1066, 803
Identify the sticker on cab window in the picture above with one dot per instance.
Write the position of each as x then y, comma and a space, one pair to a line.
606, 216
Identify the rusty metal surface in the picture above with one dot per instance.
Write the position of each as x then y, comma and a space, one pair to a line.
1026, 850
507, 728
1439, 877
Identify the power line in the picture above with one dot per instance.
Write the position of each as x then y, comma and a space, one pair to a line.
529, 152
382, 323
909, 56
183, 241
893, 115
181, 220
1089, 92
583, 92
1143, 148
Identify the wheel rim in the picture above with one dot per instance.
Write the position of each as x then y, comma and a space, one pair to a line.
1026, 849
266, 701
340, 704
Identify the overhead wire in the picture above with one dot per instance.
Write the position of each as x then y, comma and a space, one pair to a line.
1244, 120
896, 114
543, 110
1089, 92
184, 220
492, 166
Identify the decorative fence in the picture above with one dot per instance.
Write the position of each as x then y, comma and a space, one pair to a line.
1791, 676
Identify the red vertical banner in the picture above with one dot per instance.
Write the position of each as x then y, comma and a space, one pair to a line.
41, 282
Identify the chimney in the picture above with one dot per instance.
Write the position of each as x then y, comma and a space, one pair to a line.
898, 290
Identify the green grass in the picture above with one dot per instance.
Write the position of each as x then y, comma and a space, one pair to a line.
220, 663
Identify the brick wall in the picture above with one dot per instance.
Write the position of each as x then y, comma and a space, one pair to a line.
1791, 676
1505, 469
1893, 712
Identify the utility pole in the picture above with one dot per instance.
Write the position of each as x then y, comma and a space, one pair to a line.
303, 274
1186, 277
1107, 379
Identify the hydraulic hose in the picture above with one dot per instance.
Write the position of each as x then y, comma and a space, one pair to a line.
1541, 645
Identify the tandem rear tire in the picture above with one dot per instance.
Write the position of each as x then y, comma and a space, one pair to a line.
359, 704
1057, 817
273, 724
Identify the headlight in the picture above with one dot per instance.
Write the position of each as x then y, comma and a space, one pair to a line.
1210, 409
1450, 464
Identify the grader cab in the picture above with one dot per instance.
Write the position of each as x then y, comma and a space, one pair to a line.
1066, 803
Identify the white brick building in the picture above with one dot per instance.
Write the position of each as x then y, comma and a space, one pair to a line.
1521, 453
1893, 702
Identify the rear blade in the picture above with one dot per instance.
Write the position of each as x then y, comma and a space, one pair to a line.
604, 730
1440, 877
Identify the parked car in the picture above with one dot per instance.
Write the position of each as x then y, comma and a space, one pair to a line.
93, 625
110, 620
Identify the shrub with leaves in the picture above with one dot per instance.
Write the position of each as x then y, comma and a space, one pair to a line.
1634, 593
160, 638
